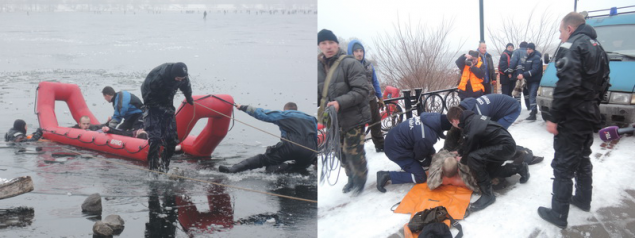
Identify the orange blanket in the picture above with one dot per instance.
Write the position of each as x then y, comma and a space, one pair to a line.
455, 199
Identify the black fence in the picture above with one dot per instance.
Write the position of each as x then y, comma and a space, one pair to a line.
436, 101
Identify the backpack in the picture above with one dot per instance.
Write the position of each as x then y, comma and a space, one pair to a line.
422, 219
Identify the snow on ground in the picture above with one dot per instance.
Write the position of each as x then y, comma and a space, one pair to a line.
514, 214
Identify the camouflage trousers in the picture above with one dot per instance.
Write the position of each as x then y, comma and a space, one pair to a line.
353, 154
160, 125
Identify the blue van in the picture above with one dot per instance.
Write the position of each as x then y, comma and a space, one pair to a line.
616, 34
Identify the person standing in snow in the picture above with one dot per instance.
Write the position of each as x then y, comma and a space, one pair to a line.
489, 78
507, 83
411, 145
517, 64
347, 92
472, 73
487, 145
158, 92
583, 71
532, 74
295, 126
376, 101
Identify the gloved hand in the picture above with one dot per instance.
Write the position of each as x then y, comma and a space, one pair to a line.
381, 103
509, 71
37, 134
190, 100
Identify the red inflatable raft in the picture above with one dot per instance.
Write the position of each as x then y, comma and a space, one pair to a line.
206, 106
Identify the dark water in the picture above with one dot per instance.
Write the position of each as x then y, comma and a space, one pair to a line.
260, 60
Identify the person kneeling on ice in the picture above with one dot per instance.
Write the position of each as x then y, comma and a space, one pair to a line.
487, 145
18, 133
411, 145
500, 108
295, 126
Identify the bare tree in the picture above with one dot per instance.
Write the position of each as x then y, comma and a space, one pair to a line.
417, 57
537, 29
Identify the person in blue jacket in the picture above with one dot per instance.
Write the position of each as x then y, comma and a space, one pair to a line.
127, 109
500, 108
517, 64
375, 99
411, 145
295, 126
532, 74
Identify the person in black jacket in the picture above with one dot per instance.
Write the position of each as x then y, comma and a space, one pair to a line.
158, 92
17, 133
532, 74
487, 145
583, 71
295, 126
507, 83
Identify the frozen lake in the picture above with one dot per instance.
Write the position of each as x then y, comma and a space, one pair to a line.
262, 60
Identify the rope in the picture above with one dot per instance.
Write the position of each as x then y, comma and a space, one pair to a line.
194, 179
274, 135
331, 151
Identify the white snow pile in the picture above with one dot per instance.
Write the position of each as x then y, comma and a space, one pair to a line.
514, 214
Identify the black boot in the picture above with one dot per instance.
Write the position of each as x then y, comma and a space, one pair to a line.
349, 185
153, 155
552, 217
251, 163
583, 192
532, 115
559, 211
486, 199
382, 179
524, 172
358, 184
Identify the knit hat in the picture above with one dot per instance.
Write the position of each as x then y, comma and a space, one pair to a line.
509, 44
523, 44
325, 34
531, 46
18, 125
357, 46
179, 70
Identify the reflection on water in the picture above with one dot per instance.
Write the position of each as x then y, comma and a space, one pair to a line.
162, 212
16, 217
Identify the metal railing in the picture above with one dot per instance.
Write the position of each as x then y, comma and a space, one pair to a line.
436, 101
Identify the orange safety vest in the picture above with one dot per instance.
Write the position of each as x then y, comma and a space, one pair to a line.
477, 83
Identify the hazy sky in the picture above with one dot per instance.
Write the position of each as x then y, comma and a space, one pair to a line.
366, 19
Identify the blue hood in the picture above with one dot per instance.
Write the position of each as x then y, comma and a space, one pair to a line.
350, 48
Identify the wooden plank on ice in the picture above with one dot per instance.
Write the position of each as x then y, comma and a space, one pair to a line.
16, 187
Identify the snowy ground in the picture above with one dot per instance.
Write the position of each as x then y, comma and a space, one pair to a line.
515, 212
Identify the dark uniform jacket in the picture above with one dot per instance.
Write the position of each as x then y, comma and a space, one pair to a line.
533, 68
582, 65
495, 106
159, 87
415, 138
349, 87
14, 135
518, 61
480, 134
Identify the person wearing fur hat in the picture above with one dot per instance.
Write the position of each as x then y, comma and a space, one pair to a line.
347, 92
158, 92
17, 133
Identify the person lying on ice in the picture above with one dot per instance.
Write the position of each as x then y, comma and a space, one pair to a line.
446, 169
18, 133
486, 146
294, 126
411, 145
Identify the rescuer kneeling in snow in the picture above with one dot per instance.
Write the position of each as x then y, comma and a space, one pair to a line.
295, 126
